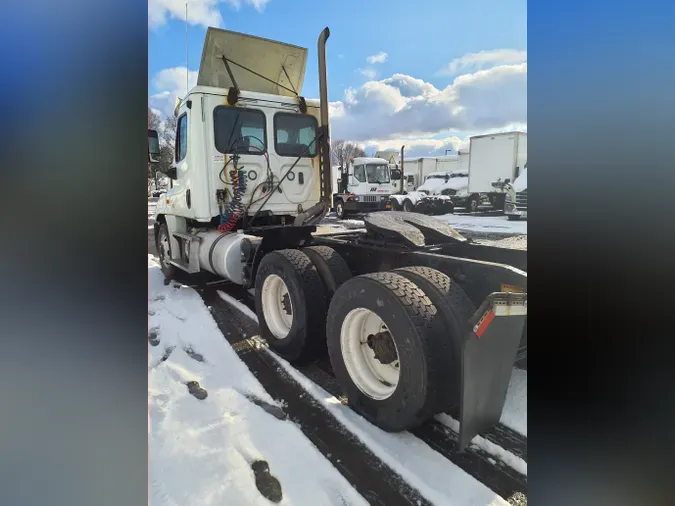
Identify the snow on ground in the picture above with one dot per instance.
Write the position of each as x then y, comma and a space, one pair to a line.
514, 414
485, 224
201, 451
495, 224
505, 456
436, 478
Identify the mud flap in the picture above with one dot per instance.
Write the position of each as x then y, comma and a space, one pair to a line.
487, 361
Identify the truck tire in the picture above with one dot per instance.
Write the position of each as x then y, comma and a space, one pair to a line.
456, 308
473, 203
499, 202
408, 205
332, 268
340, 210
290, 302
396, 205
163, 246
395, 389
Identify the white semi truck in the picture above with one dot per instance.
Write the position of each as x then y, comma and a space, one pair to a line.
415, 319
495, 160
364, 186
515, 206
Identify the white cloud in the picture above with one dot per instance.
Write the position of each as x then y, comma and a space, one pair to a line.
403, 106
200, 12
380, 57
172, 85
368, 72
472, 62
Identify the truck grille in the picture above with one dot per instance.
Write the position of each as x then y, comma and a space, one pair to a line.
370, 198
521, 200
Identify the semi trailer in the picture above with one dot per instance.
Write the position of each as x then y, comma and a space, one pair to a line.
415, 319
495, 161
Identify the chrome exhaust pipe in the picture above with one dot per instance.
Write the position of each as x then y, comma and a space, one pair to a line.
324, 142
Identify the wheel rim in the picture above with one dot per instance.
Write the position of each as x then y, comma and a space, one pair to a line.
367, 346
473, 205
164, 249
277, 306
339, 209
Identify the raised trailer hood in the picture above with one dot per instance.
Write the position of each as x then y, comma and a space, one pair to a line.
263, 56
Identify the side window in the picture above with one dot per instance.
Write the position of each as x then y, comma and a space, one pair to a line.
411, 179
181, 137
360, 173
295, 135
239, 130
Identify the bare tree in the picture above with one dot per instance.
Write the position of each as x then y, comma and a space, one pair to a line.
342, 150
153, 120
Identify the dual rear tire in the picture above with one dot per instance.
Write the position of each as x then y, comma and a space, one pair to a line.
393, 338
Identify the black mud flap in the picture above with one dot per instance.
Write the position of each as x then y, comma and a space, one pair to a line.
487, 361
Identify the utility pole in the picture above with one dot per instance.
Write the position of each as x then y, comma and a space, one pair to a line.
403, 183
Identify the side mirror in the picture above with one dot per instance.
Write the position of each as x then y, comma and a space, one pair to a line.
153, 146
172, 173
507, 180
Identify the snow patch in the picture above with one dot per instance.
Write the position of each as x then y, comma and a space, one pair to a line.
494, 224
239, 305
435, 477
514, 414
505, 456
201, 451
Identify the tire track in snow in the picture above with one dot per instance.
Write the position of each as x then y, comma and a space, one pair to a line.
369, 475
475, 461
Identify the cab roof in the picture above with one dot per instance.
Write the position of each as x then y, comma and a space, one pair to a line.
363, 160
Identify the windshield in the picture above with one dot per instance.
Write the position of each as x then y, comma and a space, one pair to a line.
377, 173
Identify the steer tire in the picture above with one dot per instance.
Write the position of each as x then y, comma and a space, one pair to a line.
306, 339
408, 205
169, 270
456, 308
415, 328
332, 268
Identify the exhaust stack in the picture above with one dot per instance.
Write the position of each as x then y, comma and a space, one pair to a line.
324, 143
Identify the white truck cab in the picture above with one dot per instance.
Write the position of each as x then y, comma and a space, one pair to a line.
516, 197
365, 186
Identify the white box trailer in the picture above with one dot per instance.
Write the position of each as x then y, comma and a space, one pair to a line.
463, 160
494, 159
420, 168
448, 163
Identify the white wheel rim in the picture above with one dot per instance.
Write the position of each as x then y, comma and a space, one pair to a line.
375, 379
277, 306
339, 209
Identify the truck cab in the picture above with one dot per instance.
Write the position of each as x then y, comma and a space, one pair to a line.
515, 206
365, 185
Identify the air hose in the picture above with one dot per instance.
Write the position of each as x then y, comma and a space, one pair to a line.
231, 214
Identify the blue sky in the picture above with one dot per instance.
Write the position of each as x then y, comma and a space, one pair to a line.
413, 93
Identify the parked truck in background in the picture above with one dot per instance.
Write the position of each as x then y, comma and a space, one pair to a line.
415, 319
495, 160
515, 206
365, 186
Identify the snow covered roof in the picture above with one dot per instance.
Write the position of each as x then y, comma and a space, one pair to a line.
363, 160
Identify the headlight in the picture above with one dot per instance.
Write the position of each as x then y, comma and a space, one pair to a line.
383, 197
507, 198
